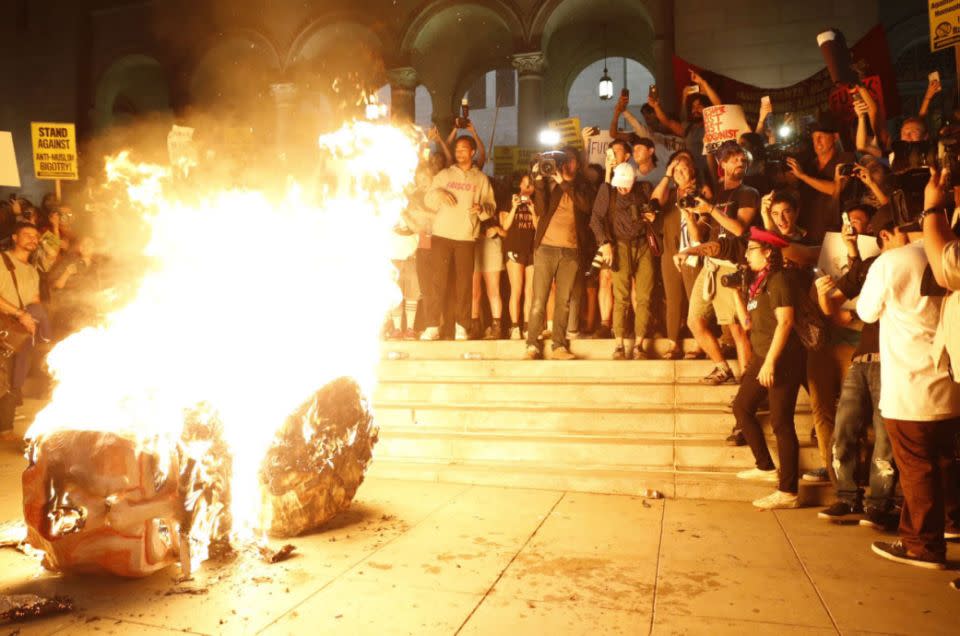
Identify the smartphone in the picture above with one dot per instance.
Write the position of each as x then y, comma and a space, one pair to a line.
765, 101
653, 91
694, 88
934, 76
818, 273
625, 93
846, 219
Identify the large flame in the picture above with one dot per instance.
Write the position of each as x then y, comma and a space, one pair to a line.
249, 304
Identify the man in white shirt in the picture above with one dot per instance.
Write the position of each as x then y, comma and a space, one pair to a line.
919, 402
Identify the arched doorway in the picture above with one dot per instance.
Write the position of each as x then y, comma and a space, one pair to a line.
132, 87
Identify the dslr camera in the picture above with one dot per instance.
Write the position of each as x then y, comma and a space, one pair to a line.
688, 201
737, 280
549, 163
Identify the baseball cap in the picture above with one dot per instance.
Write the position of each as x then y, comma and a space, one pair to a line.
623, 176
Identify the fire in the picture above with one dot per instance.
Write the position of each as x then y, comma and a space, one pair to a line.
250, 303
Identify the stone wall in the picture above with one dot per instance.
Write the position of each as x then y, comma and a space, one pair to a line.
767, 44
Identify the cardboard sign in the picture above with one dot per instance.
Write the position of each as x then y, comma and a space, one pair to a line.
722, 123
182, 149
504, 159
54, 151
944, 24
597, 147
9, 173
833, 256
569, 130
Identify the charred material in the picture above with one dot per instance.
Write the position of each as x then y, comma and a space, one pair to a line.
318, 459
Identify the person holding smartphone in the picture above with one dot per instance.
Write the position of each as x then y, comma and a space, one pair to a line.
520, 224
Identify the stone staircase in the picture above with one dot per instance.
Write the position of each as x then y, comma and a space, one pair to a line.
591, 425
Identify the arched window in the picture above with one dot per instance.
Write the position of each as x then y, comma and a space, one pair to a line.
584, 102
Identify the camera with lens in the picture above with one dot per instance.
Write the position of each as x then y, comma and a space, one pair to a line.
911, 172
847, 169
688, 201
737, 280
550, 163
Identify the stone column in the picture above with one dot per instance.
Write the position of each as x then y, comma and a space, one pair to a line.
403, 87
530, 68
285, 101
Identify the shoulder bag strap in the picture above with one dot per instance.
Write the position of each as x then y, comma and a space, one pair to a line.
13, 275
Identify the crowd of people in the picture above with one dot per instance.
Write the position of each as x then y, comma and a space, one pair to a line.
725, 245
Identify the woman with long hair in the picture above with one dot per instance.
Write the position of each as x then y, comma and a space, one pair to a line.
520, 225
767, 305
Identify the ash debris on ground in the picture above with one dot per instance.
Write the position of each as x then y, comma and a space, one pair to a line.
16, 608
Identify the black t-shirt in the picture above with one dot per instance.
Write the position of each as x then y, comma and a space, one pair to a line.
820, 213
742, 196
521, 232
850, 285
779, 290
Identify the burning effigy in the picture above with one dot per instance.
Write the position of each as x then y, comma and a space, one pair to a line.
225, 399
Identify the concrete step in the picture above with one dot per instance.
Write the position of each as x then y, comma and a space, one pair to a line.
603, 391
578, 419
717, 484
597, 451
509, 349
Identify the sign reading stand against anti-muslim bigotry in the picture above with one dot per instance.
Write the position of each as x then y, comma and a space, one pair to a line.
944, 24
55, 151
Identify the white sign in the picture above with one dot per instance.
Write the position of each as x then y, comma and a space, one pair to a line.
833, 256
9, 173
722, 123
182, 149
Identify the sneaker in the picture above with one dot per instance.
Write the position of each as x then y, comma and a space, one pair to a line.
561, 353
409, 334
838, 511
430, 333
515, 333
573, 335
604, 333
532, 353
461, 333
720, 375
493, 331
620, 353
759, 475
816, 475
897, 552
640, 354
878, 519
736, 438
777, 500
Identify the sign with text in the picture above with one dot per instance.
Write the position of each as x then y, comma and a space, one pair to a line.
182, 149
9, 173
722, 123
508, 160
944, 24
597, 147
569, 130
54, 151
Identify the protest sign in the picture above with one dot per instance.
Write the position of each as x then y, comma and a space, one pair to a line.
722, 123
870, 53
833, 256
944, 24
182, 149
597, 147
54, 151
504, 159
9, 173
569, 130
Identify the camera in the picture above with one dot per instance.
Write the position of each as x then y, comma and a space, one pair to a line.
549, 163
463, 120
737, 280
847, 169
688, 201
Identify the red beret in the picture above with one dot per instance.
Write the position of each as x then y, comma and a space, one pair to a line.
767, 238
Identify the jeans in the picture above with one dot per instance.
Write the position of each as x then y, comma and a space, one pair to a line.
783, 402
442, 253
560, 263
634, 263
859, 406
925, 456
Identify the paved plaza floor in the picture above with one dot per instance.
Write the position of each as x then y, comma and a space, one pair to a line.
428, 558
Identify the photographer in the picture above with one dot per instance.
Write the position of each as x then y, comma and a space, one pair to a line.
563, 203
776, 369
623, 225
462, 198
732, 212
919, 401
520, 224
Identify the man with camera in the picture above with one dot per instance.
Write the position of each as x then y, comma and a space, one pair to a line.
919, 400
462, 198
732, 213
563, 201
622, 222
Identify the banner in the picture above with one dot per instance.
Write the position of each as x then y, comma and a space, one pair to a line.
9, 173
722, 123
182, 149
944, 24
817, 93
54, 151
569, 130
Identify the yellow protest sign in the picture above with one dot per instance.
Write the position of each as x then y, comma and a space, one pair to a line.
55, 151
944, 24
569, 130
504, 159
